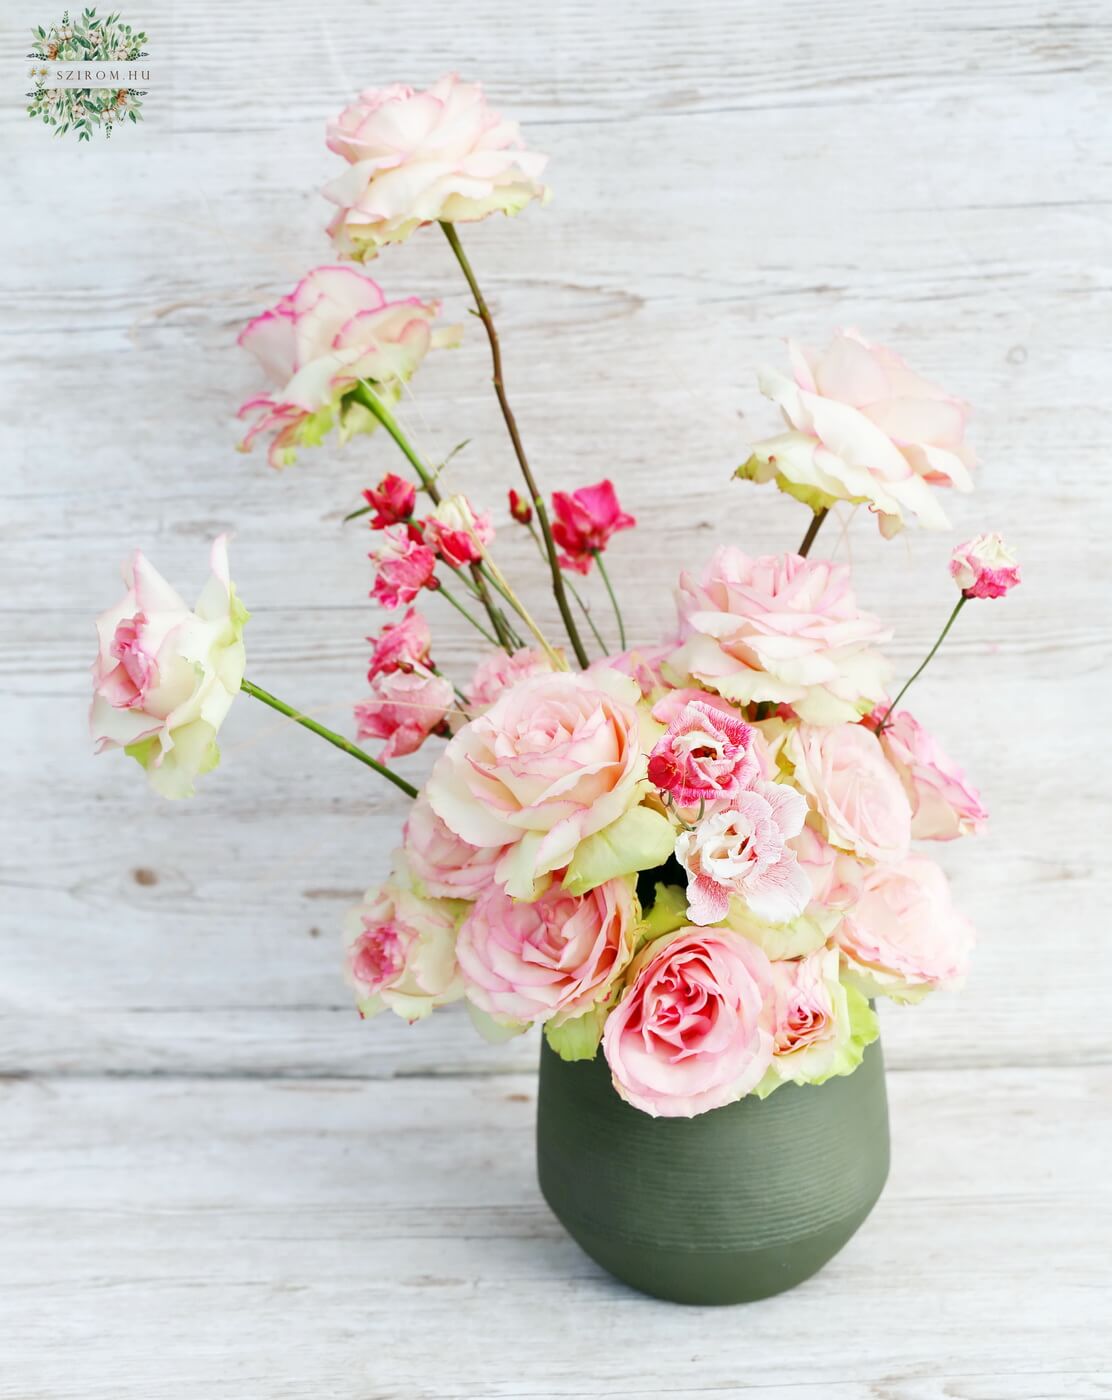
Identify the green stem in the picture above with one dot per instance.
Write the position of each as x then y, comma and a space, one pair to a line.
613, 596
925, 663
575, 593
519, 451
474, 621
812, 530
333, 738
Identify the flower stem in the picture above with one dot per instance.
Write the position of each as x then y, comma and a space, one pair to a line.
812, 530
333, 738
583, 606
923, 666
535, 496
463, 612
498, 578
613, 596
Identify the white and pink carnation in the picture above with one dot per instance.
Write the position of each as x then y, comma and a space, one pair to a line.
549, 960
443, 863
417, 157
400, 645
404, 709
944, 804
457, 533
780, 628
334, 329
853, 788
984, 567
705, 755
402, 568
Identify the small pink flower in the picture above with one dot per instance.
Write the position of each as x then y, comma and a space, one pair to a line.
407, 706
404, 568
499, 672
520, 509
693, 1030
393, 500
984, 567
704, 755
457, 533
400, 645
584, 522
744, 852
446, 865
944, 804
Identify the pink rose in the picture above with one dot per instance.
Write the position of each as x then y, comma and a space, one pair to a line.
554, 760
499, 672
984, 567
400, 645
944, 804
546, 961
835, 876
400, 952
693, 1029
406, 707
335, 328
415, 157
853, 787
457, 533
744, 851
805, 1014
392, 500
704, 755
903, 936
404, 567
446, 866
166, 675
584, 522
783, 629
863, 427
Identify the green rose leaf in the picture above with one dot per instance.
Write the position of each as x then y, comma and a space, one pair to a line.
578, 1038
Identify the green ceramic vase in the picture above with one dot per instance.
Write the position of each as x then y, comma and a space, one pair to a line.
727, 1207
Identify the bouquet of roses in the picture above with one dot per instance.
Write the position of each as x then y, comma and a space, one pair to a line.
694, 855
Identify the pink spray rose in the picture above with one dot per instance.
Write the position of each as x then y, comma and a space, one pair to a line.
704, 755
780, 628
335, 328
499, 671
457, 533
904, 937
405, 708
853, 787
392, 500
165, 675
944, 804
821, 1027
744, 851
693, 1030
863, 427
554, 760
404, 567
546, 961
584, 521
400, 645
400, 952
415, 157
984, 567
445, 865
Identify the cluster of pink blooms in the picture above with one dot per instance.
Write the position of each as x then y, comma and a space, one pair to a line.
699, 858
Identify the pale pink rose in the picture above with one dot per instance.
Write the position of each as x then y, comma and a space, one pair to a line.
549, 960
984, 567
416, 157
944, 804
693, 1030
458, 533
405, 708
904, 937
805, 1013
744, 851
400, 952
863, 427
853, 787
783, 629
446, 865
498, 672
835, 876
166, 675
554, 760
704, 755
400, 645
403, 568
334, 329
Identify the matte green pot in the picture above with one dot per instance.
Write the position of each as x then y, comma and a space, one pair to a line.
727, 1207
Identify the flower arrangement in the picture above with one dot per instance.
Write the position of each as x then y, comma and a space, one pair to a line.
693, 856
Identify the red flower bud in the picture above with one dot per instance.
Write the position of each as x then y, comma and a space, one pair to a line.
520, 508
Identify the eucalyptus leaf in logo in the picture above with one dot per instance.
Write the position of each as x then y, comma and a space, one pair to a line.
88, 74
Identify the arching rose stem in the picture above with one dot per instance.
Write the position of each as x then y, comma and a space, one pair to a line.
337, 740
923, 666
584, 609
519, 451
812, 530
365, 394
613, 596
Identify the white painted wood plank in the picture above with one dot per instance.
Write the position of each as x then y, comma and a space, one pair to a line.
267, 1240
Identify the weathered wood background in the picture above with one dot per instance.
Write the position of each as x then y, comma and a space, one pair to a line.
179, 1218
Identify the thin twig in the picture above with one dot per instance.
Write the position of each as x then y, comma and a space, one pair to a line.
812, 530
